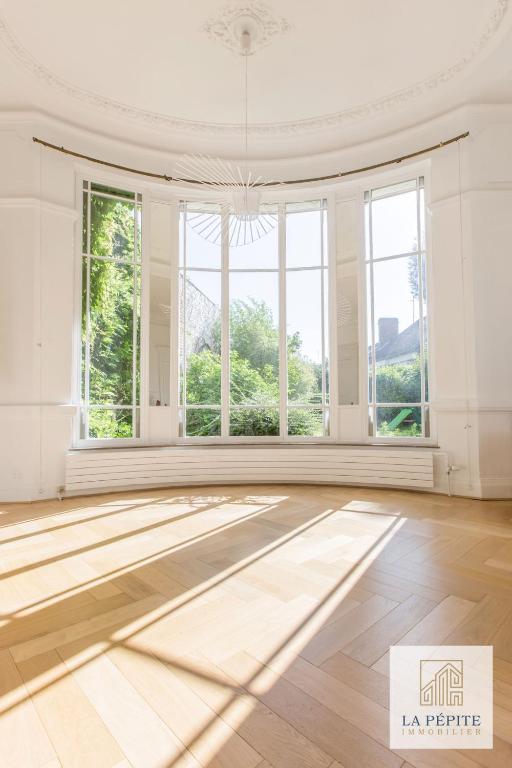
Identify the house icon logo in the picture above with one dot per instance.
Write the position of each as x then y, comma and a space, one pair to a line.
441, 682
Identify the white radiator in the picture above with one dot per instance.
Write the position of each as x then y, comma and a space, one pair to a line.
111, 469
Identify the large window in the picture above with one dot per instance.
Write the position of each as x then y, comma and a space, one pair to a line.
110, 330
397, 311
253, 327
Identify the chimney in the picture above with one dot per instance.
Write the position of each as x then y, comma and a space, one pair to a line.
388, 329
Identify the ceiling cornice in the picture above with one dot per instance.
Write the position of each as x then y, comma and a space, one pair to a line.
307, 126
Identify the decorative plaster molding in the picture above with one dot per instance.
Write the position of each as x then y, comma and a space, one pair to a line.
223, 27
59, 409
466, 194
43, 205
310, 125
470, 406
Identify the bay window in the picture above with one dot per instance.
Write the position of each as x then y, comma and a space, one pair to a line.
238, 335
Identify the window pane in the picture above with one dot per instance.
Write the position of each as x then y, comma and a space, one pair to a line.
112, 291
254, 337
263, 253
394, 189
303, 236
202, 422
394, 225
399, 422
112, 228
397, 342
399, 382
201, 319
369, 329
85, 215
203, 237
304, 336
106, 424
254, 422
309, 422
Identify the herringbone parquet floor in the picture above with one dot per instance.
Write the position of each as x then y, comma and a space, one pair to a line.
240, 627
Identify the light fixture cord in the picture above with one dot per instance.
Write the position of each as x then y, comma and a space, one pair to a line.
246, 113
246, 45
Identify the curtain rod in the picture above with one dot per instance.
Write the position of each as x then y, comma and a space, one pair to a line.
312, 180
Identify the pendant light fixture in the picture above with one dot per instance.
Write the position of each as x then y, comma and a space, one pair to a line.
234, 187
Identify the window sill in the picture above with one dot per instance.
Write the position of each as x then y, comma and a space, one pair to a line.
411, 442
242, 444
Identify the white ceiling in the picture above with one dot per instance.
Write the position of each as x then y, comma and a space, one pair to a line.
152, 69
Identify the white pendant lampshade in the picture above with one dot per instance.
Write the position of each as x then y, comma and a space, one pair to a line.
233, 187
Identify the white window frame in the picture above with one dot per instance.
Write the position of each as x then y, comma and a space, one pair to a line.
327, 267
331, 194
139, 198
371, 183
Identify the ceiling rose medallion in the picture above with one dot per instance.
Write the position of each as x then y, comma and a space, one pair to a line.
254, 16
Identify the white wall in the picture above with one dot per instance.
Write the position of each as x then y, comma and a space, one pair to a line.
36, 321
471, 323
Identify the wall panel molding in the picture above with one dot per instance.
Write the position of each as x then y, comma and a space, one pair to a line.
38, 204
470, 406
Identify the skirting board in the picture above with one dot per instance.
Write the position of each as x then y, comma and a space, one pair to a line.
102, 470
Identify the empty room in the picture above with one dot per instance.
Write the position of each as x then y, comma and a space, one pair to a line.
256, 384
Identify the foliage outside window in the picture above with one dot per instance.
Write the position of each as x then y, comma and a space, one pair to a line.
253, 328
110, 329
397, 311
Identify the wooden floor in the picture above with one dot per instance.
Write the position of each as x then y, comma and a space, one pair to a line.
240, 627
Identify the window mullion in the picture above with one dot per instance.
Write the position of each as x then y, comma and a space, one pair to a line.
322, 309
372, 322
87, 393
420, 308
184, 277
134, 322
225, 351
283, 353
